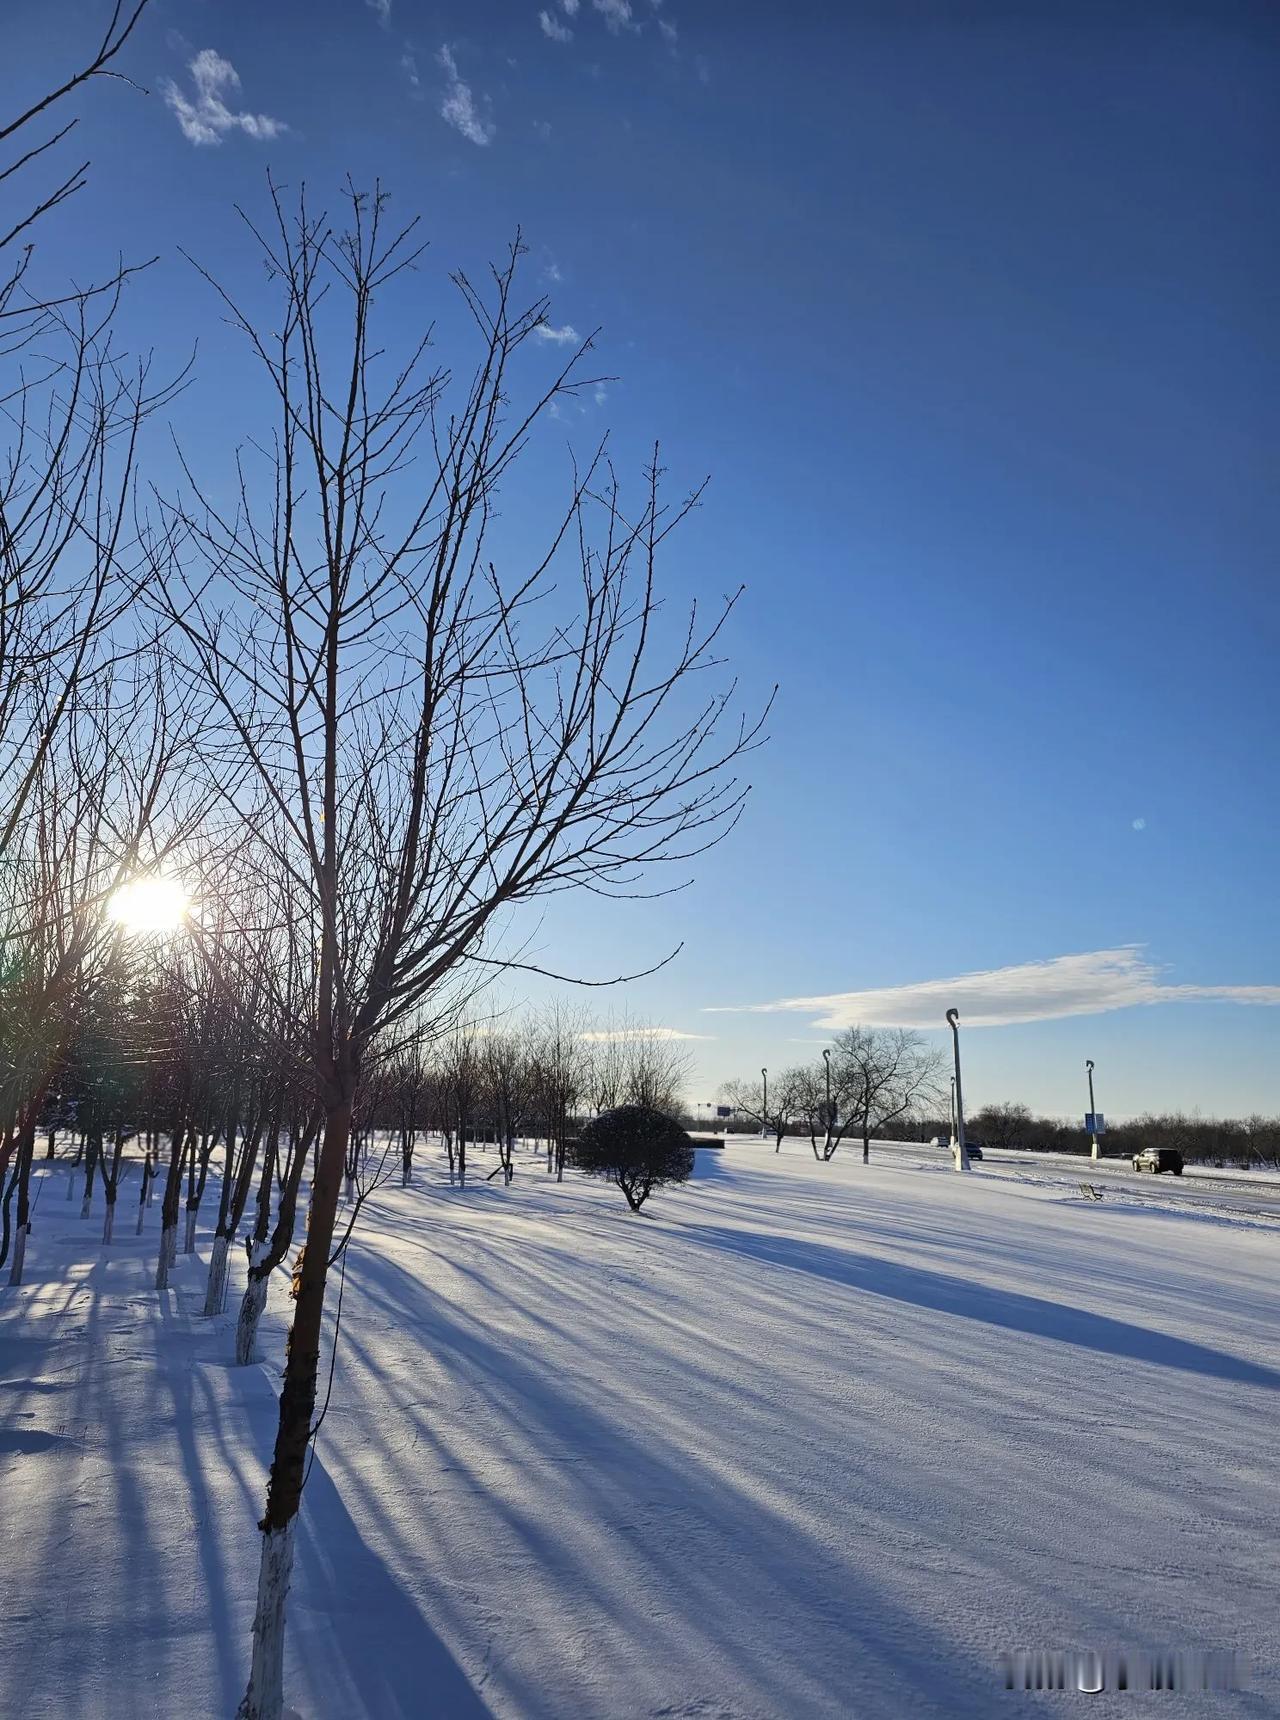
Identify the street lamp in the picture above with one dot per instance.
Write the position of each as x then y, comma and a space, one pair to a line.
1095, 1153
962, 1152
764, 1107
953, 1113
826, 1058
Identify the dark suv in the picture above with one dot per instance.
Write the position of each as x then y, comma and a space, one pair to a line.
973, 1148
1157, 1159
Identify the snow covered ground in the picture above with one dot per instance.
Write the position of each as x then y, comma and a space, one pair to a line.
815, 1440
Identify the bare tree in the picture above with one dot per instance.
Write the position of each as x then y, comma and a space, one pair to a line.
107, 802
562, 1069
658, 1068
885, 1073
1002, 1125
507, 1071
23, 208
770, 1104
637, 1063
606, 1074
411, 1083
439, 741
72, 405
820, 1098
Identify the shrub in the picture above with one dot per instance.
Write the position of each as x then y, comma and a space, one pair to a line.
635, 1147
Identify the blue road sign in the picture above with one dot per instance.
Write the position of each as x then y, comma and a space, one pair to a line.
1095, 1123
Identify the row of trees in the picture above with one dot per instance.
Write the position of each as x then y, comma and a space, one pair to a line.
170, 1070
870, 1080
887, 1083
315, 688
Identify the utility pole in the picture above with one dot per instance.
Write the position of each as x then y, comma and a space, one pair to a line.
962, 1152
764, 1130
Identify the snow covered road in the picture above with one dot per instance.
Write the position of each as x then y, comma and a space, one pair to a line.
815, 1440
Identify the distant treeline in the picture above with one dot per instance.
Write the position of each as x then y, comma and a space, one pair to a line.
1215, 1141
1203, 1140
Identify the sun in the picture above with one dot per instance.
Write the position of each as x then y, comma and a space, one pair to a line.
151, 904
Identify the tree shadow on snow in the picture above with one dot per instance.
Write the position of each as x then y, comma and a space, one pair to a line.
358, 1643
662, 1561
1006, 1309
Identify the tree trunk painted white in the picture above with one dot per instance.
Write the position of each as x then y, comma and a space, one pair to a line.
168, 1254
19, 1254
251, 1306
215, 1296
351, 1188
264, 1699
109, 1222
189, 1242
87, 1202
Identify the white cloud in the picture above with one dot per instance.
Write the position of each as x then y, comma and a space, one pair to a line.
561, 336
383, 9
627, 1033
458, 106
553, 28
670, 34
409, 65
616, 13
1088, 984
569, 7
207, 118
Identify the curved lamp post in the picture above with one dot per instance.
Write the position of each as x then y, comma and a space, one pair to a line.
1093, 1112
962, 1152
826, 1058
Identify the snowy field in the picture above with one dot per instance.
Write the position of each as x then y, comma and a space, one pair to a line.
810, 1441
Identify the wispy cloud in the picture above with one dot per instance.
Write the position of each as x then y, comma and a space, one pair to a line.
458, 107
1089, 984
616, 14
566, 336
206, 117
598, 1034
552, 27
668, 32
383, 10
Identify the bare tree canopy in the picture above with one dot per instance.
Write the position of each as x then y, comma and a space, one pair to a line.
25, 142
421, 738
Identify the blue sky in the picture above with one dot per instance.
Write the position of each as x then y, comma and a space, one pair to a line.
968, 311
